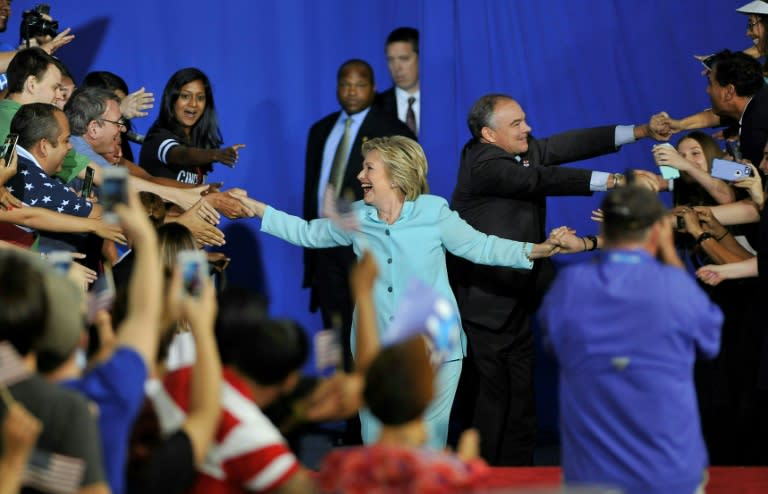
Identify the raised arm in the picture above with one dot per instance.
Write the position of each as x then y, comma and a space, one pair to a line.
361, 279
139, 329
737, 213
702, 120
203, 416
715, 274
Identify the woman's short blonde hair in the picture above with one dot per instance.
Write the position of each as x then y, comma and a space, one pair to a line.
406, 162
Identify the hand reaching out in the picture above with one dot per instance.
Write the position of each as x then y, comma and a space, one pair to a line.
659, 127
666, 155
597, 215
229, 155
137, 103
60, 40
709, 223
566, 240
202, 230
712, 274
753, 184
648, 180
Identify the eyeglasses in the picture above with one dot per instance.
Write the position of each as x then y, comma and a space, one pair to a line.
120, 123
751, 25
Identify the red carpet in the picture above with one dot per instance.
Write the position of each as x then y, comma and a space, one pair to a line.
722, 480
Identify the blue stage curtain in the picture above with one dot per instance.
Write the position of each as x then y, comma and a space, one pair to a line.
273, 68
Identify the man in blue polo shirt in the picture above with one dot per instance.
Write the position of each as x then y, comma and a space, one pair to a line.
626, 331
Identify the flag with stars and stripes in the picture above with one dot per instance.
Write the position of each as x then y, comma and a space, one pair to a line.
54, 473
32, 186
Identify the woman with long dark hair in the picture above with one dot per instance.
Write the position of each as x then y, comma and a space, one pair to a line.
185, 139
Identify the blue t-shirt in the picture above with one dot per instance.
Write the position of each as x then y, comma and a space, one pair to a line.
117, 387
626, 331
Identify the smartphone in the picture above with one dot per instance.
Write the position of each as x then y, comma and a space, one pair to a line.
87, 183
194, 268
114, 190
729, 170
733, 149
9, 147
667, 172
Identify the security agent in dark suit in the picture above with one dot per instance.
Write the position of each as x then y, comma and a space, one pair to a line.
403, 100
504, 178
326, 271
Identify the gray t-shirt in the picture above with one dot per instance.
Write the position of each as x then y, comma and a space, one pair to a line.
69, 425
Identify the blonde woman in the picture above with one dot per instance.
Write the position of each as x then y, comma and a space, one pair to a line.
409, 232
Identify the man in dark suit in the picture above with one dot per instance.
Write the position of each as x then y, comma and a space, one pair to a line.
403, 100
326, 271
504, 179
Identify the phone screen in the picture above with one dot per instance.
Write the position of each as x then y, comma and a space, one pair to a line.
87, 183
114, 188
8, 148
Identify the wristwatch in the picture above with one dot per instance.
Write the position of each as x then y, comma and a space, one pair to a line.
618, 179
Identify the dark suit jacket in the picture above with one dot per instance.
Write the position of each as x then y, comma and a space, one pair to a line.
754, 127
387, 101
376, 124
498, 195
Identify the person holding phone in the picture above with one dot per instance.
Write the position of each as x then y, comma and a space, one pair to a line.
185, 140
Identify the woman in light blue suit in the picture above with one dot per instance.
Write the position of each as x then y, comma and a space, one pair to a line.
408, 231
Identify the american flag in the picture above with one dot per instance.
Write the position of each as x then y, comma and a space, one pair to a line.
54, 473
12, 369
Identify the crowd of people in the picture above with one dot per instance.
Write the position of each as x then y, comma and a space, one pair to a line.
123, 371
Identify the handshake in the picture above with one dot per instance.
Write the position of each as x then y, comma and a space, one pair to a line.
661, 126
563, 240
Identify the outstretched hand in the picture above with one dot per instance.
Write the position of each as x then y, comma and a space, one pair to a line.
659, 127
60, 40
137, 103
711, 274
566, 241
229, 155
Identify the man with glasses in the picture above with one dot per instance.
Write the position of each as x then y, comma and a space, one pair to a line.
94, 115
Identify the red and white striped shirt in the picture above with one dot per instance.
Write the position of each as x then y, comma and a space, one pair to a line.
249, 454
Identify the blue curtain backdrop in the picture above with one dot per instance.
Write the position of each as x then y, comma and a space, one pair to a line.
273, 66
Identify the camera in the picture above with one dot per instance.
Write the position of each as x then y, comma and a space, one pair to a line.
38, 23
680, 223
